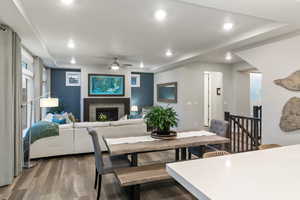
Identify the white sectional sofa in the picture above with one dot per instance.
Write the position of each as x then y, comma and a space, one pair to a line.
74, 138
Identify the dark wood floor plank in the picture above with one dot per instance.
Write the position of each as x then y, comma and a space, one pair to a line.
72, 178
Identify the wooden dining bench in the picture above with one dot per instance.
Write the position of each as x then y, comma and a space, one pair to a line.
135, 176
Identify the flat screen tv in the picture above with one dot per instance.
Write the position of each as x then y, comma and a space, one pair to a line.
106, 85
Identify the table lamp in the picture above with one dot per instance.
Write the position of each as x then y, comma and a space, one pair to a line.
134, 108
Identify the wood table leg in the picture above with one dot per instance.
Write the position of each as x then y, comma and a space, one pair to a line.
177, 154
183, 153
134, 160
135, 193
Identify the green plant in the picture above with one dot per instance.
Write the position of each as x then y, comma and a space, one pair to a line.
162, 119
102, 117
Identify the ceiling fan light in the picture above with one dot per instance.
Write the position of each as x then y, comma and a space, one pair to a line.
114, 67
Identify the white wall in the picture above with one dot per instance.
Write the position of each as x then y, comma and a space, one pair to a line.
241, 88
275, 60
217, 101
101, 70
190, 78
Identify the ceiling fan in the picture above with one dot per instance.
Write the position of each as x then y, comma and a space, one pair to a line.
115, 66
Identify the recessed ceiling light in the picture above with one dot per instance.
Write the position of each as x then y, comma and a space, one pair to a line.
160, 15
228, 56
73, 61
71, 44
142, 65
67, 2
169, 53
228, 26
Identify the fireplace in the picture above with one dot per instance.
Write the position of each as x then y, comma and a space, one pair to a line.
112, 114
92, 104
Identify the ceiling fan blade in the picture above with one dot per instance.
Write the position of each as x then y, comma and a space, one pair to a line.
127, 65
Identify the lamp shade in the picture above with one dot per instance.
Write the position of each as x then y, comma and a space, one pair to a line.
49, 102
134, 109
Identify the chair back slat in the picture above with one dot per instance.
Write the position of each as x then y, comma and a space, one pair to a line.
215, 154
97, 149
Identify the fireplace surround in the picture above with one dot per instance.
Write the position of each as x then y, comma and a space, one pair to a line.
91, 104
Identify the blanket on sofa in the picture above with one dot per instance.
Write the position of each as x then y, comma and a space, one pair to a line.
41, 129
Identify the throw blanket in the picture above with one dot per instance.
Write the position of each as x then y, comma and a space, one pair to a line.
41, 129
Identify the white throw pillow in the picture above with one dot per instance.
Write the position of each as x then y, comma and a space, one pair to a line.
66, 116
49, 117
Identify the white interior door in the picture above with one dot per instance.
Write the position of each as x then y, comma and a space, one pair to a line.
217, 111
207, 99
213, 96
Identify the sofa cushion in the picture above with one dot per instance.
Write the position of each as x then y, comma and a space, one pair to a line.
91, 124
127, 122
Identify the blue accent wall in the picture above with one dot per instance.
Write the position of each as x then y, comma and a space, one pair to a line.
143, 96
68, 96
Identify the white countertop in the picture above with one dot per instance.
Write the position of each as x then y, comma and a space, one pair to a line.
272, 174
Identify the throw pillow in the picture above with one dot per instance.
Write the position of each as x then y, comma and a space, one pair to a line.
59, 121
66, 117
49, 117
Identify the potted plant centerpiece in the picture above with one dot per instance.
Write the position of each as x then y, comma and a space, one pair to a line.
162, 120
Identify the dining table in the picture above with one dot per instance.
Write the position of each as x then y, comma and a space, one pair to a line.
143, 144
134, 146
272, 174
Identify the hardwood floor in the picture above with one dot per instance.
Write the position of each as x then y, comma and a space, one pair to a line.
72, 178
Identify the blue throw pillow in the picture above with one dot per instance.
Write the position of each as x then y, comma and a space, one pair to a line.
59, 121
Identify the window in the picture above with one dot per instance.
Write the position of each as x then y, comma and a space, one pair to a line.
255, 89
45, 88
27, 88
24, 65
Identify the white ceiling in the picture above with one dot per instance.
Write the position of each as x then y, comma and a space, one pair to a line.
102, 29
285, 11
12, 15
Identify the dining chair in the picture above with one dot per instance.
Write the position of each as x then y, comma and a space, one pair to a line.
215, 154
218, 127
268, 146
105, 164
